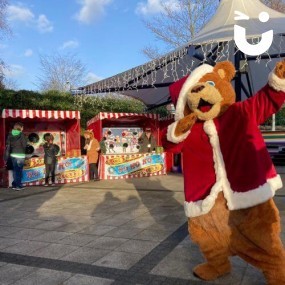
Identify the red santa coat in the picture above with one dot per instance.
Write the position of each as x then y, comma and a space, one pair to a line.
229, 154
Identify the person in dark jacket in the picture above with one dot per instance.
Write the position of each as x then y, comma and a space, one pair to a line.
50, 159
147, 141
16, 143
103, 146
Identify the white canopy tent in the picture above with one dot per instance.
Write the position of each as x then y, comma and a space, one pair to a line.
221, 27
149, 82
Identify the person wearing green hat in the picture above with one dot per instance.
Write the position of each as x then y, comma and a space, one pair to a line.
16, 143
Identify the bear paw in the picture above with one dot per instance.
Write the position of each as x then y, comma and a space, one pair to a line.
280, 69
185, 124
207, 272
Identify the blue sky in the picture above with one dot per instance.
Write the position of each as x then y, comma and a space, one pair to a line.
106, 35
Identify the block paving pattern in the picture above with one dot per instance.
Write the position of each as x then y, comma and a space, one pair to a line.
121, 232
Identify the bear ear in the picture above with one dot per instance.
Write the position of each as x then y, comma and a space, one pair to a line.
225, 70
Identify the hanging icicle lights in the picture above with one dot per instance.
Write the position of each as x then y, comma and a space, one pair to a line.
174, 66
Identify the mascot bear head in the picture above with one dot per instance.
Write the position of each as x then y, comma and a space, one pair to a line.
213, 93
203, 95
206, 93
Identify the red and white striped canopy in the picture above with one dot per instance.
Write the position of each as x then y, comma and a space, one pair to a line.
12, 113
106, 115
167, 118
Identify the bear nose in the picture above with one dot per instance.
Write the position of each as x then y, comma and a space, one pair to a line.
197, 89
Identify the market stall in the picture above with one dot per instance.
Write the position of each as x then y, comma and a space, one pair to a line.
120, 132
65, 128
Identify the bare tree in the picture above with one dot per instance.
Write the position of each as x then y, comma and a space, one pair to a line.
60, 72
278, 5
10, 83
4, 30
3, 22
178, 22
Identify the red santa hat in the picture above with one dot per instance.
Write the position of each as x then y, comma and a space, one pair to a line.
179, 89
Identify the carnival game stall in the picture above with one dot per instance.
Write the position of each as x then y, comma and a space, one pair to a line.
65, 128
120, 132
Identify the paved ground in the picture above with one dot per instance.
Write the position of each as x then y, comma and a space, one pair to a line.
107, 232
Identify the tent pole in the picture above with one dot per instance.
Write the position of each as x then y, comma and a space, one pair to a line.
249, 91
248, 95
238, 75
273, 127
267, 56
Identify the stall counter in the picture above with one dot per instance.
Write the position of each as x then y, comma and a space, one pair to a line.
68, 169
122, 166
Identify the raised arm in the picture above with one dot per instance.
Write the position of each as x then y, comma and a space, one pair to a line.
270, 98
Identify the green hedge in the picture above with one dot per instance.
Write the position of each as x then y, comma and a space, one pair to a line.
279, 120
89, 106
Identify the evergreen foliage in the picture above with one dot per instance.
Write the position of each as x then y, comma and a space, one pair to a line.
89, 106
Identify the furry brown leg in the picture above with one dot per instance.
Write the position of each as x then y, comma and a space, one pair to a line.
212, 233
256, 239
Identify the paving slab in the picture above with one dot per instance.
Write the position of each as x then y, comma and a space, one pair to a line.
44, 277
54, 251
71, 227
6, 242
137, 246
85, 255
120, 260
25, 247
10, 273
123, 233
76, 239
87, 280
106, 242
51, 236
97, 230
25, 234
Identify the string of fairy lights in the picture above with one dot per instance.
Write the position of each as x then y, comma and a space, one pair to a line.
170, 67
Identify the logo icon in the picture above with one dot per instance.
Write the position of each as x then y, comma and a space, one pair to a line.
240, 36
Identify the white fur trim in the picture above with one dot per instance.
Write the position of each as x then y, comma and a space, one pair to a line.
171, 134
255, 196
235, 200
201, 207
275, 82
192, 79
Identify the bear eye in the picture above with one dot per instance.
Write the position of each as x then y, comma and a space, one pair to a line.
211, 83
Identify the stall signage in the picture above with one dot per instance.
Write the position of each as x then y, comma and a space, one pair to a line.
66, 169
145, 164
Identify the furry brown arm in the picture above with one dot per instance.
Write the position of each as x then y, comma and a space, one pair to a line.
185, 124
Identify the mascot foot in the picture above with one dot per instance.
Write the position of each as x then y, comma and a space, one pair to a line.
207, 272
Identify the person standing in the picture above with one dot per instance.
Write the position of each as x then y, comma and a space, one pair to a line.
92, 146
16, 144
103, 146
50, 159
147, 141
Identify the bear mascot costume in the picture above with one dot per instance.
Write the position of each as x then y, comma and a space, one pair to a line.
229, 178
